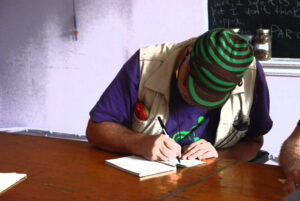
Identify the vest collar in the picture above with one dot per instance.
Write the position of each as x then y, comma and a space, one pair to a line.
160, 80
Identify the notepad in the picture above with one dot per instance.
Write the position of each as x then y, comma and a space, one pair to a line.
141, 167
7, 180
183, 163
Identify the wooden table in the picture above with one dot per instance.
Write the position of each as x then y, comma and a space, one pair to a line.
60, 170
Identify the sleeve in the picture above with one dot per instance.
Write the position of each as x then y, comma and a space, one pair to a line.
117, 102
260, 120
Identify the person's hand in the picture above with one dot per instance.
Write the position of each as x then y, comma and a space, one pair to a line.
200, 149
293, 177
160, 147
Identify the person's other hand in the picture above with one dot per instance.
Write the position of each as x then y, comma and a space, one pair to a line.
293, 177
160, 147
200, 149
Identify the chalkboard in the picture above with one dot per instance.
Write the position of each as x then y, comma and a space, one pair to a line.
282, 17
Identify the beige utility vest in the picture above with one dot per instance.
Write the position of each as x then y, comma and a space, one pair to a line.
157, 64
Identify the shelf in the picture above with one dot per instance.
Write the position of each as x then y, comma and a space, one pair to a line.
282, 67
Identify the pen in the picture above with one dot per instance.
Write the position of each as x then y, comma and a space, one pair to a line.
166, 133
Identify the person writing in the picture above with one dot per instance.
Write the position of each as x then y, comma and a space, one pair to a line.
289, 160
209, 91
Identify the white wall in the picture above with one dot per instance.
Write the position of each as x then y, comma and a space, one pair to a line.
284, 110
50, 81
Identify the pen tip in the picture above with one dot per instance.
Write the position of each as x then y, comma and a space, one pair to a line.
178, 159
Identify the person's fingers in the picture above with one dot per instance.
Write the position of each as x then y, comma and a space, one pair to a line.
191, 157
153, 147
293, 178
166, 148
201, 154
161, 156
191, 151
296, 178
184, 148
168, 153
200, 148
188, 154
289, 187
192, 148
173, 146
206, 155
177, 147
195, 144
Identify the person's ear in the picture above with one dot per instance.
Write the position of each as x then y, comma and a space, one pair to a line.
189, 48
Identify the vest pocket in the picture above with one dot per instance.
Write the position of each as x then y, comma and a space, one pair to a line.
237, 131
231, 139
139, 125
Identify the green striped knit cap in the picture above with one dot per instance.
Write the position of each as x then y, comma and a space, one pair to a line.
219, 60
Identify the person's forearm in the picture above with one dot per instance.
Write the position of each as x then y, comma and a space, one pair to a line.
114, 137
289, 157
289, 160
244, 150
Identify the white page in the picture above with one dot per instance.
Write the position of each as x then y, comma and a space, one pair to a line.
9, 179
139, 166
183, 163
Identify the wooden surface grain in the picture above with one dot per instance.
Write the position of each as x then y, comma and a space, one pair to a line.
60, 169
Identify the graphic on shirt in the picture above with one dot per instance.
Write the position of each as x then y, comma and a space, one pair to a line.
190, 133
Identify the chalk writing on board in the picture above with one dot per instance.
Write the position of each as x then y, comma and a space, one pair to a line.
282, 17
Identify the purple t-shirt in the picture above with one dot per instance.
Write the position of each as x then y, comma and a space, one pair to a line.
118, 100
